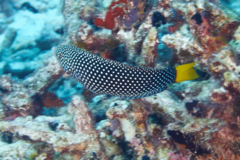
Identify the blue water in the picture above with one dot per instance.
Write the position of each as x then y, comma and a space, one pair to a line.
47, 114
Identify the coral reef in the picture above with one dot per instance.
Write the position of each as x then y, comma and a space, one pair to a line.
46, 115
80, 142
116, 9
21, 97
30, 29
122, 13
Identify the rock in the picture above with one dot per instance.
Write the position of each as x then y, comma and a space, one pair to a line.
20, 149
22, 55
20, 69
36, 23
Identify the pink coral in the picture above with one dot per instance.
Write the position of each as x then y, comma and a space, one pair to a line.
173, 156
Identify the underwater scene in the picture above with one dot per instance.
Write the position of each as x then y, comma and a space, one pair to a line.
119, 79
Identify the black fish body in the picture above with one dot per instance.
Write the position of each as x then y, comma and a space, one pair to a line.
105, 76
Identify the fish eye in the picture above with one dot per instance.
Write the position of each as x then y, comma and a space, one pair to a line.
59, 56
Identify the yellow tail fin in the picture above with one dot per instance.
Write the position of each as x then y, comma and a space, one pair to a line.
185, 72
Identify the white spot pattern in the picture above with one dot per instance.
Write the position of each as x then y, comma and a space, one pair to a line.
110, 77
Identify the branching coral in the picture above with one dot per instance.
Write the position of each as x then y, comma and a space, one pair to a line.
82, 143
135, 133
19, 149
149, 49
182, 40
208, 35
154, 141
208, 25
134, 40
21, 98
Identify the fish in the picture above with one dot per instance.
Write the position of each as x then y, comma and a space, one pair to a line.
104, 76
